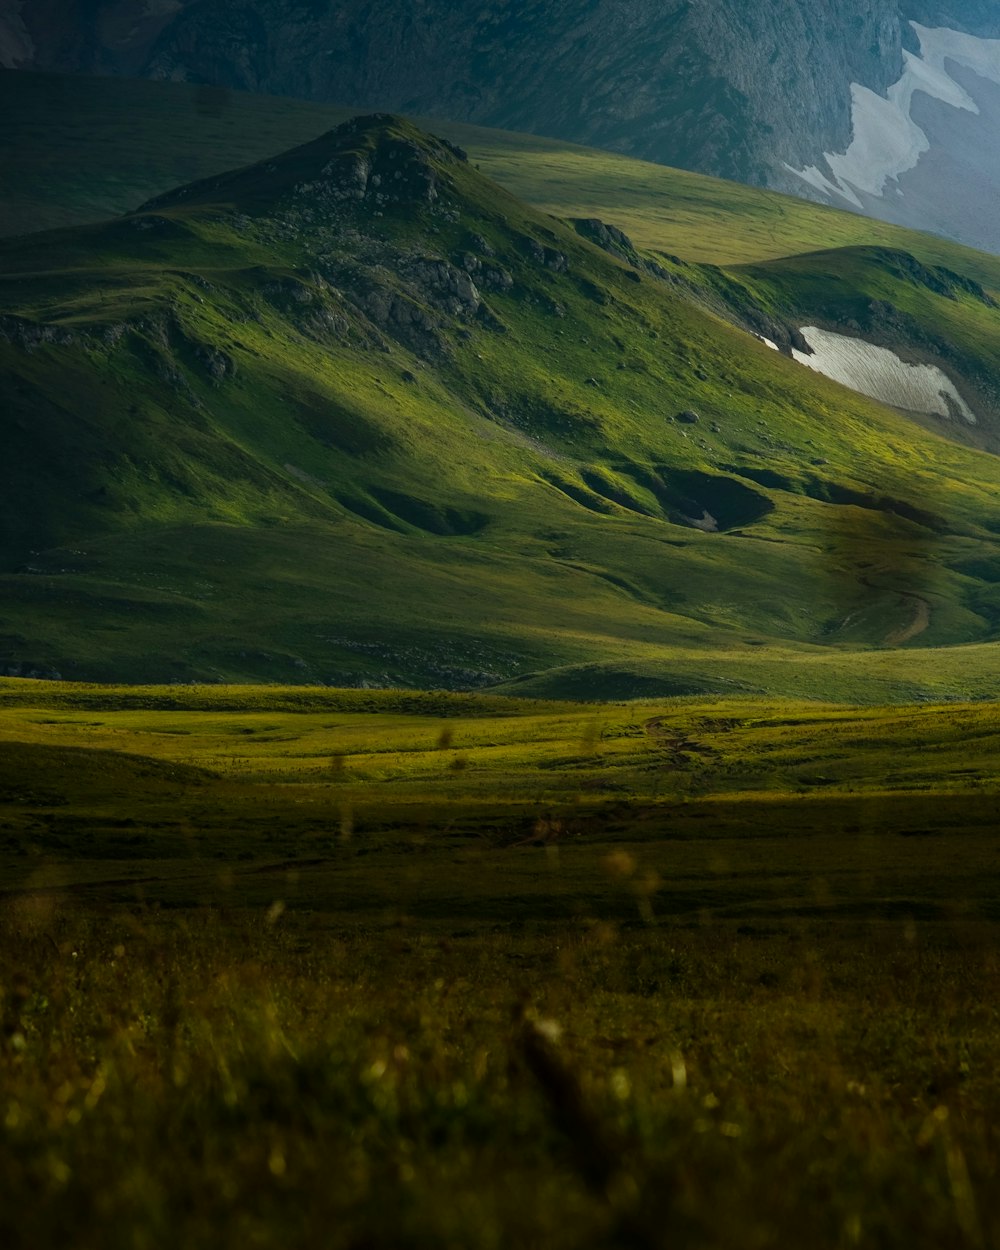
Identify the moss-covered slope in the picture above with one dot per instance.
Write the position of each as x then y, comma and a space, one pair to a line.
355, 413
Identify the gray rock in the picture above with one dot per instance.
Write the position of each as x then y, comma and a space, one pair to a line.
444, 285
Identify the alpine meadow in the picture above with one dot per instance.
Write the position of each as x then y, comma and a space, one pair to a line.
499, 661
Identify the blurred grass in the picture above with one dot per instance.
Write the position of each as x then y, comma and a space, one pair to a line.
171, 1080
274, 970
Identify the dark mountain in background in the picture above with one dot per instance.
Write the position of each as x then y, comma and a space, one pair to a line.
689, 85
757, 93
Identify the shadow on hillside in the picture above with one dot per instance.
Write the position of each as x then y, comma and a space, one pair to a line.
884, 566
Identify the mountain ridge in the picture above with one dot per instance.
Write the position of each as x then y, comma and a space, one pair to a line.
643, 78
787, 96
284, 424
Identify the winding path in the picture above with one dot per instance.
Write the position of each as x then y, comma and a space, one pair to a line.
921, 621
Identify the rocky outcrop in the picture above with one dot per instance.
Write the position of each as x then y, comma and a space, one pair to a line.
444, 285
219, 365
328, 174
399, 172
548, 257
616, 242
937, 279
608, 237
31, 335
488, 276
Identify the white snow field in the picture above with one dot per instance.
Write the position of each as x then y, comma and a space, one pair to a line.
880, 374
946, 96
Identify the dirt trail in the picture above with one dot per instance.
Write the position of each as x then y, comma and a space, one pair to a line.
921, 616
921, 620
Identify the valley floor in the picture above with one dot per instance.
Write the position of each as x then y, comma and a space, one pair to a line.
378, 968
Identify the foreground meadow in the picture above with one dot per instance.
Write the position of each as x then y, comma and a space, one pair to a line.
359, 969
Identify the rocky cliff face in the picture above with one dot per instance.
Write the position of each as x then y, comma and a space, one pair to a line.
692, 84
759, 93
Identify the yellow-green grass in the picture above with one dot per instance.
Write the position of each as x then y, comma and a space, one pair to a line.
316, 780
401, 740
297, 966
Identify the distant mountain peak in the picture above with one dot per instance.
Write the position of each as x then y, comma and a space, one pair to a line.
863, 102
379, 161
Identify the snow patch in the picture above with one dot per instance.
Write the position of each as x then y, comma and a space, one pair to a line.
880, 374
768, 342
886, 141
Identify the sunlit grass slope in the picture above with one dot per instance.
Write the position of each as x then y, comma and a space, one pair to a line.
225, 462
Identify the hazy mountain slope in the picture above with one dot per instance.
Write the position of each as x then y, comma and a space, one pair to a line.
355, 413
79, 149
878, 104
923, 153
677, 82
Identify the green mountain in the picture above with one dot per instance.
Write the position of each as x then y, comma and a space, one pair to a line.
357, 414
80, 149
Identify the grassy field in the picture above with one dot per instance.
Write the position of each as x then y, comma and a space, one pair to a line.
381, 968
396, 968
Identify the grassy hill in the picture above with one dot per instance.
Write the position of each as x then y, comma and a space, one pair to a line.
79, 149
276, 426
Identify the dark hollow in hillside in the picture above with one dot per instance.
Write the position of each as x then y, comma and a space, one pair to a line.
581, 495
764, 477
833, 492
825, 491
700, 500
445, 521
368, 510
